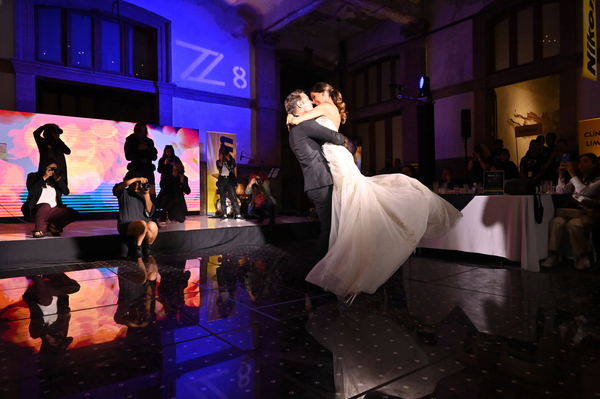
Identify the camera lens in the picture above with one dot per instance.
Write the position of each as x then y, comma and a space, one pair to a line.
147, 186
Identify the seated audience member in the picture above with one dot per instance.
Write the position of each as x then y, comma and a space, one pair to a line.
409, 170
262, 203
448, 179
397, 165
135, 212
585, 189
532, 162
481, 161
171, 199
44, 206
504, 163
388, 168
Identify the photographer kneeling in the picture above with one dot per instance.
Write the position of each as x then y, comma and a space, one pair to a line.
262, 203
44, 206
135, 212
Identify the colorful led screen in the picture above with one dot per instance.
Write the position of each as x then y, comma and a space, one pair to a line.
96, 163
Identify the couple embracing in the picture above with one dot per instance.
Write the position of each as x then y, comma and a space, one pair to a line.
369, 225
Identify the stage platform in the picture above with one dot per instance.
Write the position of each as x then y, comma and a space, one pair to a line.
94, 240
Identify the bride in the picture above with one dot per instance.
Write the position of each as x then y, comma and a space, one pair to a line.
377, 221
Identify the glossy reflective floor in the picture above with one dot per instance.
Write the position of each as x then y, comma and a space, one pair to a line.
242, 323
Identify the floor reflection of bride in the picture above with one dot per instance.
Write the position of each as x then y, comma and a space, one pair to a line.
372, 352
377, 221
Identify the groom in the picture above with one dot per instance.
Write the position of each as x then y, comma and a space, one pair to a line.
306, 140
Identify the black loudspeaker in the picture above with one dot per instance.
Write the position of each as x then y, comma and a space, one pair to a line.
465, 123
426, 142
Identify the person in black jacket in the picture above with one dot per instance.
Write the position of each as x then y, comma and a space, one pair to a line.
140, 151
49, 144
44, 206
171, 199
227, 182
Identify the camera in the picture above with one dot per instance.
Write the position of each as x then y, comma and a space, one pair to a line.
52, 169
146, 186
259, 180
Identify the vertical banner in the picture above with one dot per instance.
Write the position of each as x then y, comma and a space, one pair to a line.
589, 136
590, 63
214, 142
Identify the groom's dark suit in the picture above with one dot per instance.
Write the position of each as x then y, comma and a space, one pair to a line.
306, 140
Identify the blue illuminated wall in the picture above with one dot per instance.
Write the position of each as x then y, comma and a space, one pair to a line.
209, 54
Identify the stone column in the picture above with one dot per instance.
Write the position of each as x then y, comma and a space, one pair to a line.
265, 138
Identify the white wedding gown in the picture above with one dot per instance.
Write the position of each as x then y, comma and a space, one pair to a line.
376, 224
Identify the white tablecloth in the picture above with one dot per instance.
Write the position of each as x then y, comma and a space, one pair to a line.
500, 225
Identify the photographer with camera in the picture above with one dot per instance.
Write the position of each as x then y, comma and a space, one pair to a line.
227, 182
49, 144
135, 213
44, 206
262, 203
171, 199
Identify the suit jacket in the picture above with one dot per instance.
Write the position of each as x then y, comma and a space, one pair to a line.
306, 140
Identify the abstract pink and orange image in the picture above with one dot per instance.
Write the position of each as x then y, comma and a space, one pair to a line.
96, 163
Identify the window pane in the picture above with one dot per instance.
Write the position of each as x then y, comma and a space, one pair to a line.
360, 90
525, 36
81, 40
551, 30
501, 44
111, 46
144, 54
49, 34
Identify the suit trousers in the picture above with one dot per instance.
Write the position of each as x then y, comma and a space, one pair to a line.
321, 197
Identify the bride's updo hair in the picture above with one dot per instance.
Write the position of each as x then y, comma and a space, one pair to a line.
335, 96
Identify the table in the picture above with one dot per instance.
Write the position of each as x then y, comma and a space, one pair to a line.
500, 225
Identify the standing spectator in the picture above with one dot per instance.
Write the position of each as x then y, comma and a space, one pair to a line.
550, 142
262, 203
171, 199
556, 157
44, 206
511, 171
140, 152
531, 164
498, 147
481, 161
227, 182
51, 146
135, 213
